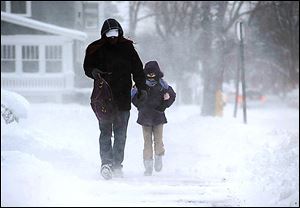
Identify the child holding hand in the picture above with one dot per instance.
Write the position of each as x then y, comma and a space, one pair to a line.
151, 115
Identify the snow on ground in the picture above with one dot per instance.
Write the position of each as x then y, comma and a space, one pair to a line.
52, 159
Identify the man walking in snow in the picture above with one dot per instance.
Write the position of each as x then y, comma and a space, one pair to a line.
110, 61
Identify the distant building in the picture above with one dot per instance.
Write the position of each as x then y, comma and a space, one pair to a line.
43, 45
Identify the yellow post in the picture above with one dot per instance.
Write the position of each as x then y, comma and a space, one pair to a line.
219, 103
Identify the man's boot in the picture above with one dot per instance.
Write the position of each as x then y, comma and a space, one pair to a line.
148, 167
117, 173
106, 171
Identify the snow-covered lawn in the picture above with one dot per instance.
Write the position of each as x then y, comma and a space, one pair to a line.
52, 159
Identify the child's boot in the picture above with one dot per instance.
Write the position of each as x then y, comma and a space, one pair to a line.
158, 163
148, 167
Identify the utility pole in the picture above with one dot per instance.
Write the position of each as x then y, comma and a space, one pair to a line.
241, 68
237, 87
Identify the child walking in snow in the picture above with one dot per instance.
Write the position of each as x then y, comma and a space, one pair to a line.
151, 115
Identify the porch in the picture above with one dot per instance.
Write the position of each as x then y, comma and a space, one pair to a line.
31, 64
38, 65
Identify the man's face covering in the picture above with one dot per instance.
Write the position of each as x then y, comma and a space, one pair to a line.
112, 36
112, 40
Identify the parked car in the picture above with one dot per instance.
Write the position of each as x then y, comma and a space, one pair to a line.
253, 97
292, 98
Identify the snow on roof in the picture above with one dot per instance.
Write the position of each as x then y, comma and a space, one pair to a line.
46, 27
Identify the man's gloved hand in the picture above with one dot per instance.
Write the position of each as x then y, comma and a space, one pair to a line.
142, 95
96, 73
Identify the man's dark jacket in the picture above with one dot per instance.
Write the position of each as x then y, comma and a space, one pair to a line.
118, 62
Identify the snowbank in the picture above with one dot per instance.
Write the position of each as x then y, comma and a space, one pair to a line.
52, 159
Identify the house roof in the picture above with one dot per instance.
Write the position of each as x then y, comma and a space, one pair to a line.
42, 26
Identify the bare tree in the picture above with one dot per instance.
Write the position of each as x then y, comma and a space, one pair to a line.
176, 24
134, 8
221, 17
135, 16
195, 31
277, 26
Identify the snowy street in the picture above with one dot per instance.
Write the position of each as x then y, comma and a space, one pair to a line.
52, 159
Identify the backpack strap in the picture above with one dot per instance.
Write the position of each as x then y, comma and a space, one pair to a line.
163, 84
133, 91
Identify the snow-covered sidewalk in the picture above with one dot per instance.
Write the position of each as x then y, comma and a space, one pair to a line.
52, 159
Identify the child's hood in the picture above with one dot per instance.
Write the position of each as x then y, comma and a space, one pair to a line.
153, 67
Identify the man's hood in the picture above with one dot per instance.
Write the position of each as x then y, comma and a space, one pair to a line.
111, 24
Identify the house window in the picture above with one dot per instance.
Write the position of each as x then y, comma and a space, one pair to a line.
90, 10
3, 7
8, 56
53, 58
30, 58
17, 7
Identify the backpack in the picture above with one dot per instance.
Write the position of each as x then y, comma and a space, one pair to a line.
164, 85
102, 100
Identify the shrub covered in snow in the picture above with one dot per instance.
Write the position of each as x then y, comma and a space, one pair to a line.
13, 106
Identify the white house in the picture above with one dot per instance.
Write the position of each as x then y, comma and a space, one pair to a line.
32, 64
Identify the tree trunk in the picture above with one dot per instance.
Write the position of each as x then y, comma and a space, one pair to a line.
209, 91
